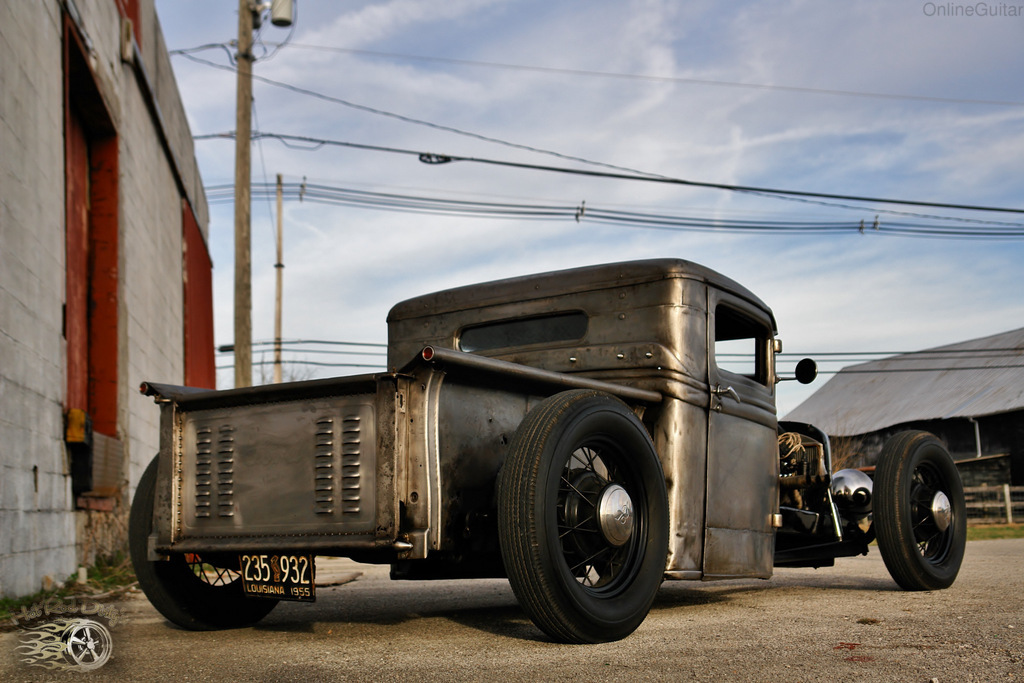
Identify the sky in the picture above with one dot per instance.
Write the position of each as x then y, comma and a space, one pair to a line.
909, 100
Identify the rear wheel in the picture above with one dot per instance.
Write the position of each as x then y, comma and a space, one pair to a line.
919, 512
196, 593
583, 517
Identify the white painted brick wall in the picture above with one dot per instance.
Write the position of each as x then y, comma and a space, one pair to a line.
35, 515
37, 519
152, 271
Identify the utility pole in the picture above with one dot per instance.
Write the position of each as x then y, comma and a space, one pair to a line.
249, 12
243, 239
279, 267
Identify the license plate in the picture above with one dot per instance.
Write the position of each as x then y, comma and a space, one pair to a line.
284, 577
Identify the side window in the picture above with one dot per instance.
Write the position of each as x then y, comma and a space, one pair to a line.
740, 344
561, 327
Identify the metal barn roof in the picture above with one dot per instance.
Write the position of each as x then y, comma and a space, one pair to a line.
973, 378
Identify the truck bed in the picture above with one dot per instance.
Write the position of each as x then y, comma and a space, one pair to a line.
398, 464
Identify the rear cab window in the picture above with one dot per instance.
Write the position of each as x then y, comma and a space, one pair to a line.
519, 332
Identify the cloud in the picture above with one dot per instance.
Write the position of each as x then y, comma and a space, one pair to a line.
347, 266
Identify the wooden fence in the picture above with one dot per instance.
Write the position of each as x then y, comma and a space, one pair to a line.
994, 504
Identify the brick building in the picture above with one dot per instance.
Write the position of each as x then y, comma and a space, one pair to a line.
105, 276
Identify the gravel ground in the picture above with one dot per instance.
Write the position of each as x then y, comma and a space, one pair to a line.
850, 622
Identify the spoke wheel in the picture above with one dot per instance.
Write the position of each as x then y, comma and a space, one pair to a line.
187, 589
87, 644
582, 516
595, 519
920, 516
209, 574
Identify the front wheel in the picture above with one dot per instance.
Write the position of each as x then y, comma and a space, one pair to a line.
189, 591
920, 516
583, 517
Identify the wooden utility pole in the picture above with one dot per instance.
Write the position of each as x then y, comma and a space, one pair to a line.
279, 267
243, 239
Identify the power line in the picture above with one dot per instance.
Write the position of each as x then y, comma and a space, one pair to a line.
412, 120
627, 76
926, 356
329, 352
929, 360
228, 366
1007, 351
903, 356
734, 188
324, 342
845, 371
334, 352
227, 348
287, 40
263, 167
435, 159
581, 212
622, 172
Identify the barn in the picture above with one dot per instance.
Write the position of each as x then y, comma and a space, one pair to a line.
970, 394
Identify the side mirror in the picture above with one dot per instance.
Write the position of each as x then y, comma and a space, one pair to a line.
806, 371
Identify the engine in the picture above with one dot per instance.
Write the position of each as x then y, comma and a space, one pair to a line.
807, 493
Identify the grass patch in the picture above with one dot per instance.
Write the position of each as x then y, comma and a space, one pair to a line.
988, 532
111, 574
108, 579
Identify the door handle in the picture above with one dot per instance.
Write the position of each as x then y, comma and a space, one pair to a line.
719, 390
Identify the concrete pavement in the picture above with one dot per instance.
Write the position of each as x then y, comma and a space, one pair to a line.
850, 622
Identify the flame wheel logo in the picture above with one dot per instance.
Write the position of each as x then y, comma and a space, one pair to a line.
69, 644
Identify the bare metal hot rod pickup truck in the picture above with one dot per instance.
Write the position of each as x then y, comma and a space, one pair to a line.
586, 433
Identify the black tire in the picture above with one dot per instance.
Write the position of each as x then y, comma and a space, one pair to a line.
919, 513
188, 591
579, 580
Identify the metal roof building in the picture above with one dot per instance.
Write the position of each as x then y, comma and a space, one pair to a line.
974, 378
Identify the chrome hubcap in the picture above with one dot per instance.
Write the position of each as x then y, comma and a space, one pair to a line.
942, 511
615, 515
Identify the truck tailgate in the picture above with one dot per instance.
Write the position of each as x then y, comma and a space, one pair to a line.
269, 470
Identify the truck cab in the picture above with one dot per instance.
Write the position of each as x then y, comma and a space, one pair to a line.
701, 341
